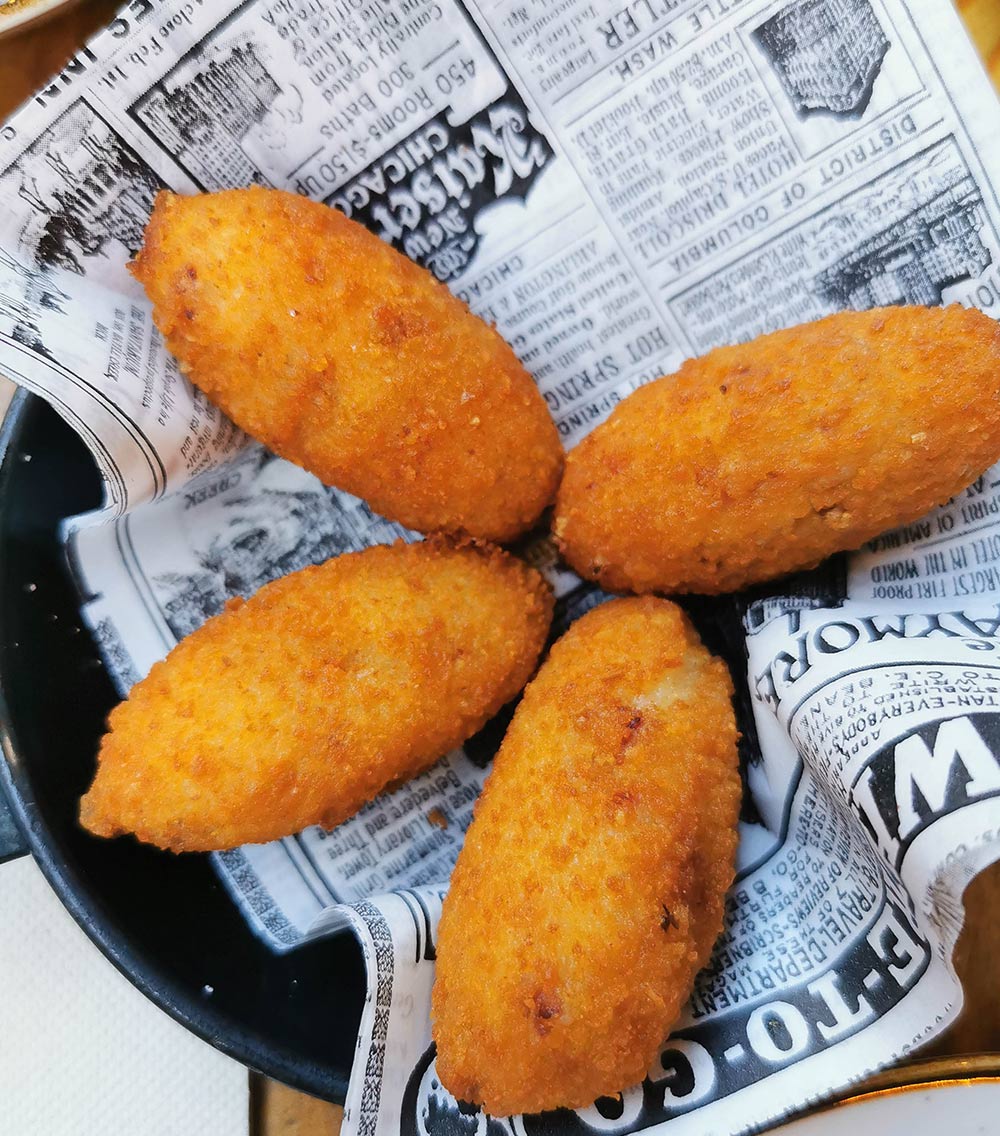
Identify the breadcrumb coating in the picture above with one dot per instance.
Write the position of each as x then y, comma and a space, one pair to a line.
303, 703
590, 887
341, 355
767, 457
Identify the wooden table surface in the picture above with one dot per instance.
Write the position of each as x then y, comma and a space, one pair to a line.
30, 56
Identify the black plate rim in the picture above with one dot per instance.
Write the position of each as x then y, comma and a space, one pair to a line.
252, 1050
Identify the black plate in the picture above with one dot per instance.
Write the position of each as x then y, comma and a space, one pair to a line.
163, 920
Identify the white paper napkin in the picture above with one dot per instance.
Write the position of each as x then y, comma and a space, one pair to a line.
82, 1052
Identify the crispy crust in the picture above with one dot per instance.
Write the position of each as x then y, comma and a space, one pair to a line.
303, 703
343, 356
765, 458
590, 887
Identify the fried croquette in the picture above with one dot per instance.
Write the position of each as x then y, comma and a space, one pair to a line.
341, 355
766, 458
301, 704
590, 887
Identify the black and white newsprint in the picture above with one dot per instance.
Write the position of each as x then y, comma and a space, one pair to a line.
618, 185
